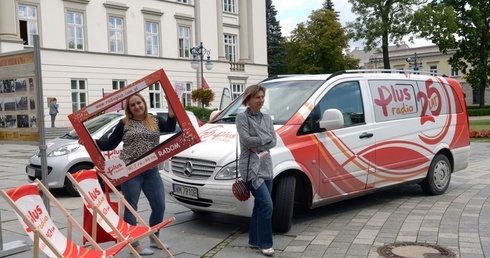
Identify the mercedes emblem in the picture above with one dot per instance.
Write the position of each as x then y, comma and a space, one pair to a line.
188, 169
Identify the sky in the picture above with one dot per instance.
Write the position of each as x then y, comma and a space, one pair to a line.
292, 12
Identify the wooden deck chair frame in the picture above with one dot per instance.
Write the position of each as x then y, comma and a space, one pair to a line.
96, 250
96, 211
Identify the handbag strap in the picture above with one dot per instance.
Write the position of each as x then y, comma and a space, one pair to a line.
236, 153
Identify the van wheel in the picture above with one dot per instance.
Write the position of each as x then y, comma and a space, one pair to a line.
438, 177
282, 217
70, 188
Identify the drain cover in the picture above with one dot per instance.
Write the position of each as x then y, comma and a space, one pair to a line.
414, 250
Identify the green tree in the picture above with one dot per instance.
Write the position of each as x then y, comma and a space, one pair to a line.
380, 22
317, 45
328, 4
276, 49
462, 25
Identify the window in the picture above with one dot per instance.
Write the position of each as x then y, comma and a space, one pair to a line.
116, 35
400, 69
186, 95
454, 71
118, 84
236, 90
183, 1
184, 42
433, 69
155, 95
152, 42
345, 97
229, 6
230, 47
74, 24
78, 94
28, 23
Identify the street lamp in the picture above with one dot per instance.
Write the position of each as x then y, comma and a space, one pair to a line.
414, 62
199, 52
375, 59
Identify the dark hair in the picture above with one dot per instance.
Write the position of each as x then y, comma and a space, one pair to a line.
251, 91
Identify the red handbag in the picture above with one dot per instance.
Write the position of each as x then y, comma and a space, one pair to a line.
101, 235
240, 190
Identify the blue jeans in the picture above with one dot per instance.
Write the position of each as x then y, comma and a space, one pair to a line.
151, 184
260, 234
53, 117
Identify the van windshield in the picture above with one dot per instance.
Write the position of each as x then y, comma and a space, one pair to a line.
96, 123
282, 100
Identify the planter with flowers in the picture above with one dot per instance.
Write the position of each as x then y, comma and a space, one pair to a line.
482, 134
203, 96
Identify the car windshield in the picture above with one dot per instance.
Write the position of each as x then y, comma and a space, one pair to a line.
95, 124
282, 100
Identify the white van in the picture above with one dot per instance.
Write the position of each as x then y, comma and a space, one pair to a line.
338, 136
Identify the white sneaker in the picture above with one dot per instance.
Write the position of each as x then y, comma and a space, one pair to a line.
268, 251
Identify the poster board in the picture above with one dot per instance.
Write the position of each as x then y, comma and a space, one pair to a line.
18, 98
175, 144
48, 101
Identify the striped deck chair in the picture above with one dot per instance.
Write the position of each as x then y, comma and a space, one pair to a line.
95, 201
37, 222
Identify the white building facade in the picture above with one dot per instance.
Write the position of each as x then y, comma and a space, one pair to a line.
93, 47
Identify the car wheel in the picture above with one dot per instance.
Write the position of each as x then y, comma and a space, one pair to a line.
438, 177
70, 188
282, 217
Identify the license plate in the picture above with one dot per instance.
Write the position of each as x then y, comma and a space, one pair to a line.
31, 172
186, 191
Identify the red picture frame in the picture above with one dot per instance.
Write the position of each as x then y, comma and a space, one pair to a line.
175, 144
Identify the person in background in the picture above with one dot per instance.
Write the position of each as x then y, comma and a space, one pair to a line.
53, 110
257, 137
140, 132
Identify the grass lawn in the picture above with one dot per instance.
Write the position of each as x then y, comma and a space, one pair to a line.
479, 125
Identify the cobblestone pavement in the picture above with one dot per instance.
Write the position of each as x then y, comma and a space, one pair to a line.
458, 220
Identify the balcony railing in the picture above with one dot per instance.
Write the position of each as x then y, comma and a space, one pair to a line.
237, 67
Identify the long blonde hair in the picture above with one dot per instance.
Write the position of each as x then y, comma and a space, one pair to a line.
148, 119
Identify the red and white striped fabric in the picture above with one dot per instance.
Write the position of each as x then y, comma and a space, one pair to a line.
87, 182
28, 201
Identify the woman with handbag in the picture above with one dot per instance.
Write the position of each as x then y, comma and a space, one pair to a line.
257, 137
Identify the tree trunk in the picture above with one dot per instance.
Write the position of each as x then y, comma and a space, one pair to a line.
483, 86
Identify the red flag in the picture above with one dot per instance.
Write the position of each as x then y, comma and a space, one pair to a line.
205, 84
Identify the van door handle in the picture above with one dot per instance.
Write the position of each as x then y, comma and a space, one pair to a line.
365, 135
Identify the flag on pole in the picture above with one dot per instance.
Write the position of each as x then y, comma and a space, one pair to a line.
205, 84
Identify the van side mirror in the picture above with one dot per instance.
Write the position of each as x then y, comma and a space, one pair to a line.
332, 119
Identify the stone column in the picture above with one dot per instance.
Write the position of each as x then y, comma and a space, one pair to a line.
9, 40
221, 47
245, 36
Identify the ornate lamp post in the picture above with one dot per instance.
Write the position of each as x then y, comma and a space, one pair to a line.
199, 52
414, 62
375, 59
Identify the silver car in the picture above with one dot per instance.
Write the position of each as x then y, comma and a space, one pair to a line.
65, 154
